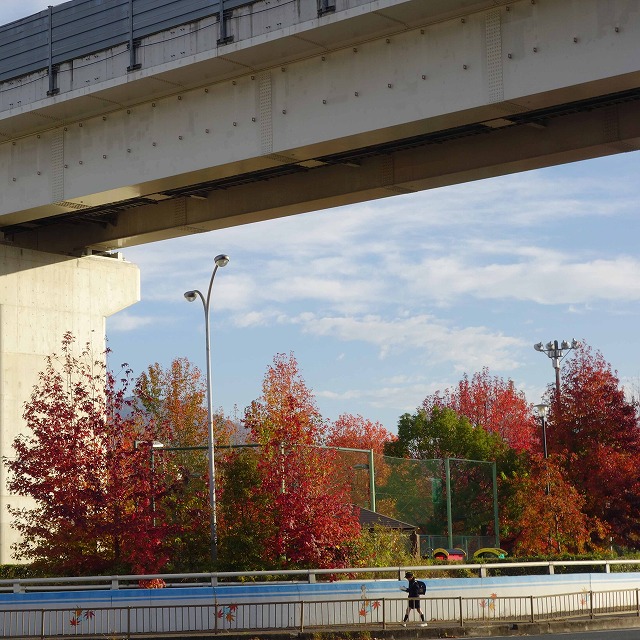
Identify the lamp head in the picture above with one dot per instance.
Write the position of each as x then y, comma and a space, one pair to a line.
222, 260
538, 346
543, 409
565, 345
574, 344
190, 295
549, 346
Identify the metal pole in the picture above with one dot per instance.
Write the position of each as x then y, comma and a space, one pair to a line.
220, 261
213, 522
133, 66
372, 481
447, 472
496, 520
153, 487
544, 437
52, 72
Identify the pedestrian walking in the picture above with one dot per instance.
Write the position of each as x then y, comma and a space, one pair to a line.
415, 589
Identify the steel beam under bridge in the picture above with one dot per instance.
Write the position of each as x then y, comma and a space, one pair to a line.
310, 105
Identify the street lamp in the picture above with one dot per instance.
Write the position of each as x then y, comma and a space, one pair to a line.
220, 261
152, 444
543, 412
556, 352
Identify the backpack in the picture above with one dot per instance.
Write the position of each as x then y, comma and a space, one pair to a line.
422, 587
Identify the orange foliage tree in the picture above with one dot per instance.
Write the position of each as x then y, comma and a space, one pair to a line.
355, 432
546, 514
173, 402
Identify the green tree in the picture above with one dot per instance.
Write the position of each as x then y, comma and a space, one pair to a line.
442, 433
438, 434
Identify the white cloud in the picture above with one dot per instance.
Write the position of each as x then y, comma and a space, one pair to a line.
125, 321
468, 348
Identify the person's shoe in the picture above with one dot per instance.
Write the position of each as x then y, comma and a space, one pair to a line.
404, 624
424, 624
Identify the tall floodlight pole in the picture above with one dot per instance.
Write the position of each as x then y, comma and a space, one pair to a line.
543, 412
220, 261
556, 351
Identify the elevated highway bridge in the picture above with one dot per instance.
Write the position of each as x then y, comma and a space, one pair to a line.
130, 121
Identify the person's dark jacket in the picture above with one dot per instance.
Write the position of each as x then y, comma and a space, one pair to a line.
414, 592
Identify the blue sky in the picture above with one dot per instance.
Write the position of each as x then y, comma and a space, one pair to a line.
385, 302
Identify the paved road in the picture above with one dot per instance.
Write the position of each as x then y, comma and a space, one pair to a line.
624, 634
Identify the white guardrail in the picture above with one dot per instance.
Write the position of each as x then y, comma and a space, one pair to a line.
226, 602
483, 570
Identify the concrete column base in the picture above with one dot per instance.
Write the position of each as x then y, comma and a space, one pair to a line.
42, 296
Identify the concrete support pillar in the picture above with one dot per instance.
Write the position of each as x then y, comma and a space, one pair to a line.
42, 296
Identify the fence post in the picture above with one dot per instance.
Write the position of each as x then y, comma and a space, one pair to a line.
637, 604
128, 622
461, 612
215, 615
591, 605
301, 616
42, 624
533, 617
384, 614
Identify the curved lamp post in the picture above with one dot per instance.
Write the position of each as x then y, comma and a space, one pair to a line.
220, 261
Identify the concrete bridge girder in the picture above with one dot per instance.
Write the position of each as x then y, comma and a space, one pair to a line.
482, 68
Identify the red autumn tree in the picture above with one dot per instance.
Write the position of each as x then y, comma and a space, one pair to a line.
309, 517
91, 488
597, 430
496, 405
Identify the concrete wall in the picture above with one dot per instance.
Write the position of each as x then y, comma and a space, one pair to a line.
42, 296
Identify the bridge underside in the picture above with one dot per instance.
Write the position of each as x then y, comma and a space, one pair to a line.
396, 97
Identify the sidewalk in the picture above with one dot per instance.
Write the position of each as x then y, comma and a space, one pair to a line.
435, 630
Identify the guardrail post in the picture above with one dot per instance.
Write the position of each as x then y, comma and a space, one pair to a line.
128, 622
531, 606
42, 624
301, 616
461, 612
312, 577
483, 572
